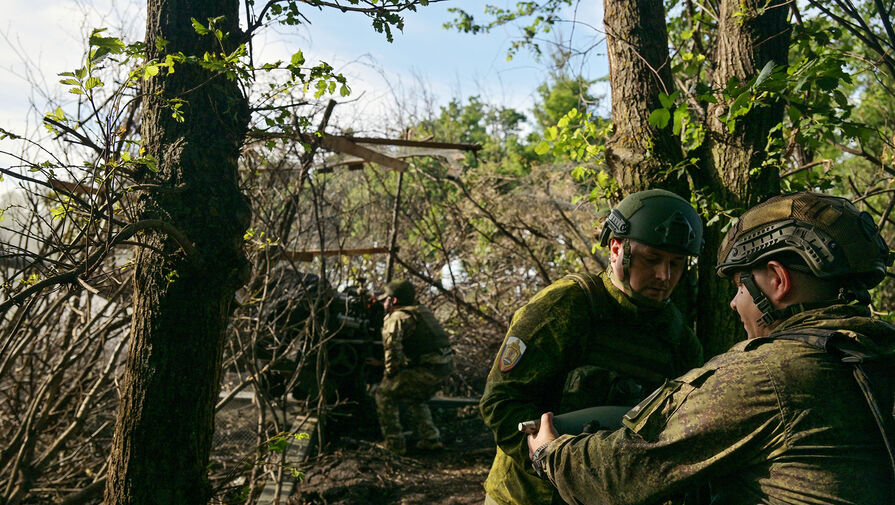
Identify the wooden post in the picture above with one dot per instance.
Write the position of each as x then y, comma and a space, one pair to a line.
394, 234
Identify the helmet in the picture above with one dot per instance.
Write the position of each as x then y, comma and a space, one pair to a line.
831, 236
658, 218
403, 290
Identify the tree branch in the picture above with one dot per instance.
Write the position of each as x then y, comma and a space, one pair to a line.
71, 276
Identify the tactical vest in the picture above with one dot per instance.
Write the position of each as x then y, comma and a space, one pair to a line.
606, 384
427, 344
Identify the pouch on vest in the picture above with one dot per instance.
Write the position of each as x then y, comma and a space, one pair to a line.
649, 417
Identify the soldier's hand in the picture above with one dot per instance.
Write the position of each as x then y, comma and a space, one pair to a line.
546, 434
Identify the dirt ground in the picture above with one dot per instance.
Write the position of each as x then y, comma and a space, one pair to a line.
355, 471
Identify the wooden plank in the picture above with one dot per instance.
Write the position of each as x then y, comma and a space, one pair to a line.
343, 145
415, 143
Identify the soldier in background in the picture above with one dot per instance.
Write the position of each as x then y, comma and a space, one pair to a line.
418, 358
800, 412
594, 340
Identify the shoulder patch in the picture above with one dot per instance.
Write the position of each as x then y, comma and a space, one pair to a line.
510, 353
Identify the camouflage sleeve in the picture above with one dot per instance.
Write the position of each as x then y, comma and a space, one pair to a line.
702, 424
394, 328
545, 333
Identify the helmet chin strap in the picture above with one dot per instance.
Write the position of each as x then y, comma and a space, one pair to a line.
637, 298
768, 313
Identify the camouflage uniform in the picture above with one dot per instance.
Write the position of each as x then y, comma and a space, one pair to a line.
770, 421
417, 359
573, 357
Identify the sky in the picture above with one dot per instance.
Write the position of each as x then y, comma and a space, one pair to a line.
41, 38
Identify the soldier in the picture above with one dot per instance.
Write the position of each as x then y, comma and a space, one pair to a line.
800, 412
589, 340
418, 357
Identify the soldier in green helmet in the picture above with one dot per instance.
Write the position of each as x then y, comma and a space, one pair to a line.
800, 413
418, 357
590, 340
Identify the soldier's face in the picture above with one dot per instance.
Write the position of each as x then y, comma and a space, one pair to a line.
744, 305
653, 272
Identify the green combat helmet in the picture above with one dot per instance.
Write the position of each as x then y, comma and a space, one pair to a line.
830, 236
403, 290
658, 218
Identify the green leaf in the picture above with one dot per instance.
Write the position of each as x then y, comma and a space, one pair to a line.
298, 59
92, 82
344, 91
58, 114
106, 45
659, 118
150, 71
542, 148
70, 82
840, 98
199, 27
738, 105
666, 101
795, 115
827, 83
764, 74
680, 115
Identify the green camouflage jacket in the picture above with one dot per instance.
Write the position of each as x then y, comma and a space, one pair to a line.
771, 421
412, 337
559, 356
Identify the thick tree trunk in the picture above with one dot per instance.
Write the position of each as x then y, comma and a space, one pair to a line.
639, 69
638, 154
182, 301
750, 34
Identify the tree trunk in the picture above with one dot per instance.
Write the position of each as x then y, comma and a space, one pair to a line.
182, 301
638, 154
750, 34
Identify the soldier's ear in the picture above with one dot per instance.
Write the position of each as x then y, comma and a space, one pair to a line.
615, 249
779, 282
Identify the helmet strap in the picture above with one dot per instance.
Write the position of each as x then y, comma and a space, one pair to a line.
637, 298
768, 313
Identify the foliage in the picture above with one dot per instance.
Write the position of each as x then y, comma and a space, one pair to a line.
540, 16
77, 228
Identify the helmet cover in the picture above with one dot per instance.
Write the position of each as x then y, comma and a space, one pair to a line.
828, 233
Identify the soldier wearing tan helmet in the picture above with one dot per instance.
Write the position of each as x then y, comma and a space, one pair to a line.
418, 357
594, 340
800, 412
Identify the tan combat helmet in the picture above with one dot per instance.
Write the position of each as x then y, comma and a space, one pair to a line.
829, 234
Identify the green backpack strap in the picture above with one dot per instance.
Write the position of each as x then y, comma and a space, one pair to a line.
595, 292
